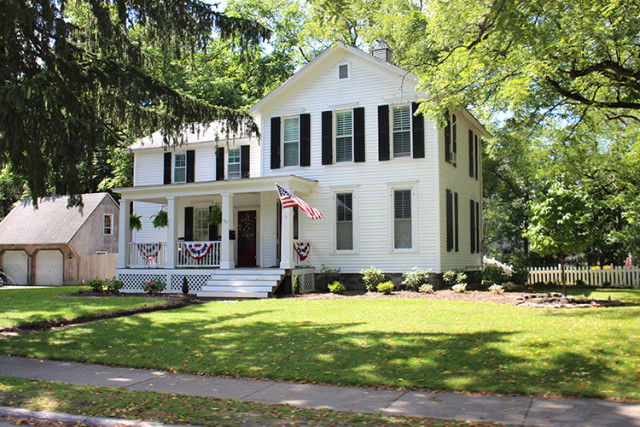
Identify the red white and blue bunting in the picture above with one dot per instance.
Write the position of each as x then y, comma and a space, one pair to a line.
303, 249
149, 250
198, 250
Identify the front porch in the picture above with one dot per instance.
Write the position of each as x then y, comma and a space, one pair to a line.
255, 233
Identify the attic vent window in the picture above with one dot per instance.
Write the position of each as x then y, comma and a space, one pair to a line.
343, 71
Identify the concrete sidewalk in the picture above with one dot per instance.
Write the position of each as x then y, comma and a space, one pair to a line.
515, 410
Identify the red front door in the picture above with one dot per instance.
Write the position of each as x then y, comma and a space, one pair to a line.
247, 239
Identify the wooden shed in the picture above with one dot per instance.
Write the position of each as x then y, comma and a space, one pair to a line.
58, 245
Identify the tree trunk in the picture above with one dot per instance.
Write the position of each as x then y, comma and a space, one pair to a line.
562, 278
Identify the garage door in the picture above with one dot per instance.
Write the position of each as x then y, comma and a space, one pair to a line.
14, 264
49, 268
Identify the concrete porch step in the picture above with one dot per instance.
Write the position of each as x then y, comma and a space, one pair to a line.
232, 294
242, 283
245, 277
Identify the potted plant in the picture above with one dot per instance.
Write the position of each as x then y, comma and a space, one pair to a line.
161, 219
134, 222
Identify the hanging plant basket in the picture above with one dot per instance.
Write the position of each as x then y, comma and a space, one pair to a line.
161, 219
215, 215
134, 222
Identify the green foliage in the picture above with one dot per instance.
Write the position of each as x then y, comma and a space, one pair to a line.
415, 278
113, 286
327, 275
96, 285
494, 275
161, 219
386, 287
451, 278
519, 276
185, 285
135, 222
215, 215
154, 286
336, 287
295, 288
371, 277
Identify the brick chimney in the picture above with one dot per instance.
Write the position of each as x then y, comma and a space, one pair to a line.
381, 50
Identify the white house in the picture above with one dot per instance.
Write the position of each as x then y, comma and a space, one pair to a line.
395, 191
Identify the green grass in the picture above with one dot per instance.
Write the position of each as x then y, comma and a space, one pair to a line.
627, 295
404, 343
37, 304
190, 410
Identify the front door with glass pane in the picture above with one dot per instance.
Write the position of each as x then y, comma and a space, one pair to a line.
247, 244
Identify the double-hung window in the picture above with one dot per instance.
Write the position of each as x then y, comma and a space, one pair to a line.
344, 136
402, 228
291, 142
344, 221
233, 163
200, 224
108, 225
180, 168
402, 131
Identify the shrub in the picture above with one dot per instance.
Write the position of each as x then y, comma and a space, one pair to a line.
452, 278
510, 287
385, 287
113, 286
496, 289
96, 285
372, 277
336, 287
519, 276
581, 282
295, 286
154, 286
426, 289
494, 275
185, 285
416, 277
460, 288
326, 276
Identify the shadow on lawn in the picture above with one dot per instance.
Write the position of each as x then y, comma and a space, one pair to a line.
240, 345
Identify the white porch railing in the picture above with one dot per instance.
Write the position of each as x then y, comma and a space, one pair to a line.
198, 254
301, 252
614, 276
146, 255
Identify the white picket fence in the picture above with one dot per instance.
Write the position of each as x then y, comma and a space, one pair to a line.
616, 276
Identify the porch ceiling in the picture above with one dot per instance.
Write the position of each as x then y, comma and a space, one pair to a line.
159, 193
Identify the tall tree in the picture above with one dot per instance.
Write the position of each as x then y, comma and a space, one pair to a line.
74, 80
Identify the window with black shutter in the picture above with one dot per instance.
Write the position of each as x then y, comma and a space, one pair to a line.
358, 134
454, 140
478, 229
188, 224
471, 154
245, 153
220, 164
191, 165
275, 143
449, 220
447, 140
455, 220
477, 155
305, 139
472, 225
327, 137
417, 123
167, 168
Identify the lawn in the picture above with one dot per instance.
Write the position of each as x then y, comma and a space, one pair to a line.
189, 410
403, 343
37, 304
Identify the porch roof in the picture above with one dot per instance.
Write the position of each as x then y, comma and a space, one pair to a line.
160, 193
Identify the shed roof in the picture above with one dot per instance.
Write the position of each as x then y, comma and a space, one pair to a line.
51, 223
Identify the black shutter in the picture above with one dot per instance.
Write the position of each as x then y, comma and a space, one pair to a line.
455, 219
417, 122
167, 168
191, 165
383, 132
478, 230
188, 224
327, 137
449, 221
213, 229
305, 139
471, 154
454, 141
220, 164
472, 225
358, 134
477, 157
447, 140
244, 160
275, 142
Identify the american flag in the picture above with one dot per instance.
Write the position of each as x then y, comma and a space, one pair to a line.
288, 199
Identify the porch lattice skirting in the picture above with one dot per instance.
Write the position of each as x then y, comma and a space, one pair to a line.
134, 279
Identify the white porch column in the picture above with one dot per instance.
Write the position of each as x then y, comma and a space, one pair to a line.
286, 240
123, 235
172, 231
227, 258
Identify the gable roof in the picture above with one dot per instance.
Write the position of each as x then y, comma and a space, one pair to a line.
51, 223
191, 134
321, 59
